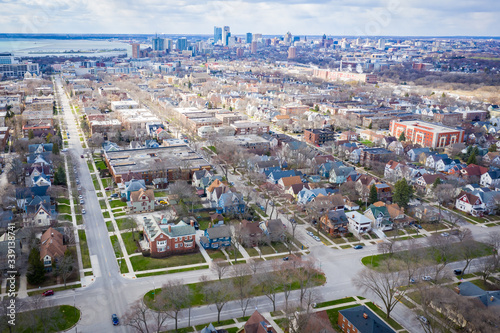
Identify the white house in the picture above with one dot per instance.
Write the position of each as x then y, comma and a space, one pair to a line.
490, 178
358, 222
470, 203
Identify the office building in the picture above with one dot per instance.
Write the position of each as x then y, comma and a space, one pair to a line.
182, 44
287, 39
226, 33
136, 50
426, 134
6, 59
217, 34
292, 52
256, 37
158, 44
239, 52
381, 44
18, 70
249, 37
253, 47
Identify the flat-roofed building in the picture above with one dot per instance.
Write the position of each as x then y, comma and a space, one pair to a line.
294, 109
172, 162
252, 142
120, 105
427, 134
250, 127
105, 126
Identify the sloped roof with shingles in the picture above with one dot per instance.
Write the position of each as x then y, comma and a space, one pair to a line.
51, 244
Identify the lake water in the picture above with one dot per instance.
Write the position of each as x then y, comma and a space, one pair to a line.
69, 47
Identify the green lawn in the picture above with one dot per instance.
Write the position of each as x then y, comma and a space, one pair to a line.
102, 203
199, 299
63, 201
173, 271
106, 215
122, 223
252, 252
216, 254
84, 249
117, 203
160, 194
63, 209
53, 319
109, 225
79, 219
116, 246
333, 314
140, 263
335, 302
375, 260
100, 165
120, 214
130, 243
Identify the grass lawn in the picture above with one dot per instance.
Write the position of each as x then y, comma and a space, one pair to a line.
381, 313
52, 319
335, 302
39, 291
216, 254
63, 209
102, 203
252, 252
63, 201
122, 223
221, 323
173, 271
109, 225
106, 215
64, 217
160, 194
140, 263
79, 219
199, 299
258, 210
90, 165
84, 249
120, 214
117, 203
338, 240
116, 246
483, 250
100, 165
123, 266
130, 243
485, 286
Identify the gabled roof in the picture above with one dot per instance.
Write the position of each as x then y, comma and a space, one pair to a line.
218, 231
135, 185
296, 188
51, 244
257, 324
136, 195
289, 181
471, 198
180, 229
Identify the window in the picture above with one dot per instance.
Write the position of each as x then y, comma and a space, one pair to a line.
176, 245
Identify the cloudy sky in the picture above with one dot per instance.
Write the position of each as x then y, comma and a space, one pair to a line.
301, 17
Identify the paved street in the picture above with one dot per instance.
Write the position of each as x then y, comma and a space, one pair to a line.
113, 293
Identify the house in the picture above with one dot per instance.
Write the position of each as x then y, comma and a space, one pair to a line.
473, 170
361, 319
426, 213
397, 215
349, 136
488, 298
295, 189
470, 203
273, 229
142, 201
163, 239
215, 190
211, 329
358, 222
250, 233
231, 202
426, 181
339, 173
52, 248
258, 324
109, 146
384, 192
349, 205
329, 202
378, 214
334, 223
445, 164
414, 154
198, 177
488, 197
134, 185
490, 178
492, 158
275, 176
216, 236
432, 160
306, 195
286, 182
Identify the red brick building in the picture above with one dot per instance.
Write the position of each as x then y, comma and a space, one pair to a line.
426, 134
165, 238
317, 136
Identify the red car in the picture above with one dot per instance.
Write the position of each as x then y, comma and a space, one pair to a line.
81, 156
48, 293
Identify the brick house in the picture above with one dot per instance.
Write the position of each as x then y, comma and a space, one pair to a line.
142, 201
370, 155
164, 239
317, 136
361, 319
335, 223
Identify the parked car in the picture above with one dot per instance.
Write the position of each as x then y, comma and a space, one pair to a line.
418, 226
316, 238
445, 234
163, 202
285, 259
48, 293
83, 211
80, 197
423, 319
358, 247
82, 202
81, 156
106, 188
426, 278
412, 280
114, 319
457, 271
114, 195
310, 233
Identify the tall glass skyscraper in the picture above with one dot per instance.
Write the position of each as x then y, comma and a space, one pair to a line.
217, 34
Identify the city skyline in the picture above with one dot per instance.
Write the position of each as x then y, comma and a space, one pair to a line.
353, 18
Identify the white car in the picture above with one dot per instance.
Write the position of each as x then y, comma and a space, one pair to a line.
83, 211
310, 234
426, 278
317, 238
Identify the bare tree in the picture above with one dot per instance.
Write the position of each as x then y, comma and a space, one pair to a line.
382, 284
130, 224
176, 297
487, 266
140, 318
444, 193
467, 251
65, 266
218, 293
270, 285
254, 265
243, 284
220, 267
494, 241
441, 248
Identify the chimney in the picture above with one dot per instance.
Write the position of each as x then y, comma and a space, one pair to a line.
269, 329
365, 316
52, 234
192, 223
169, 228
492, 299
